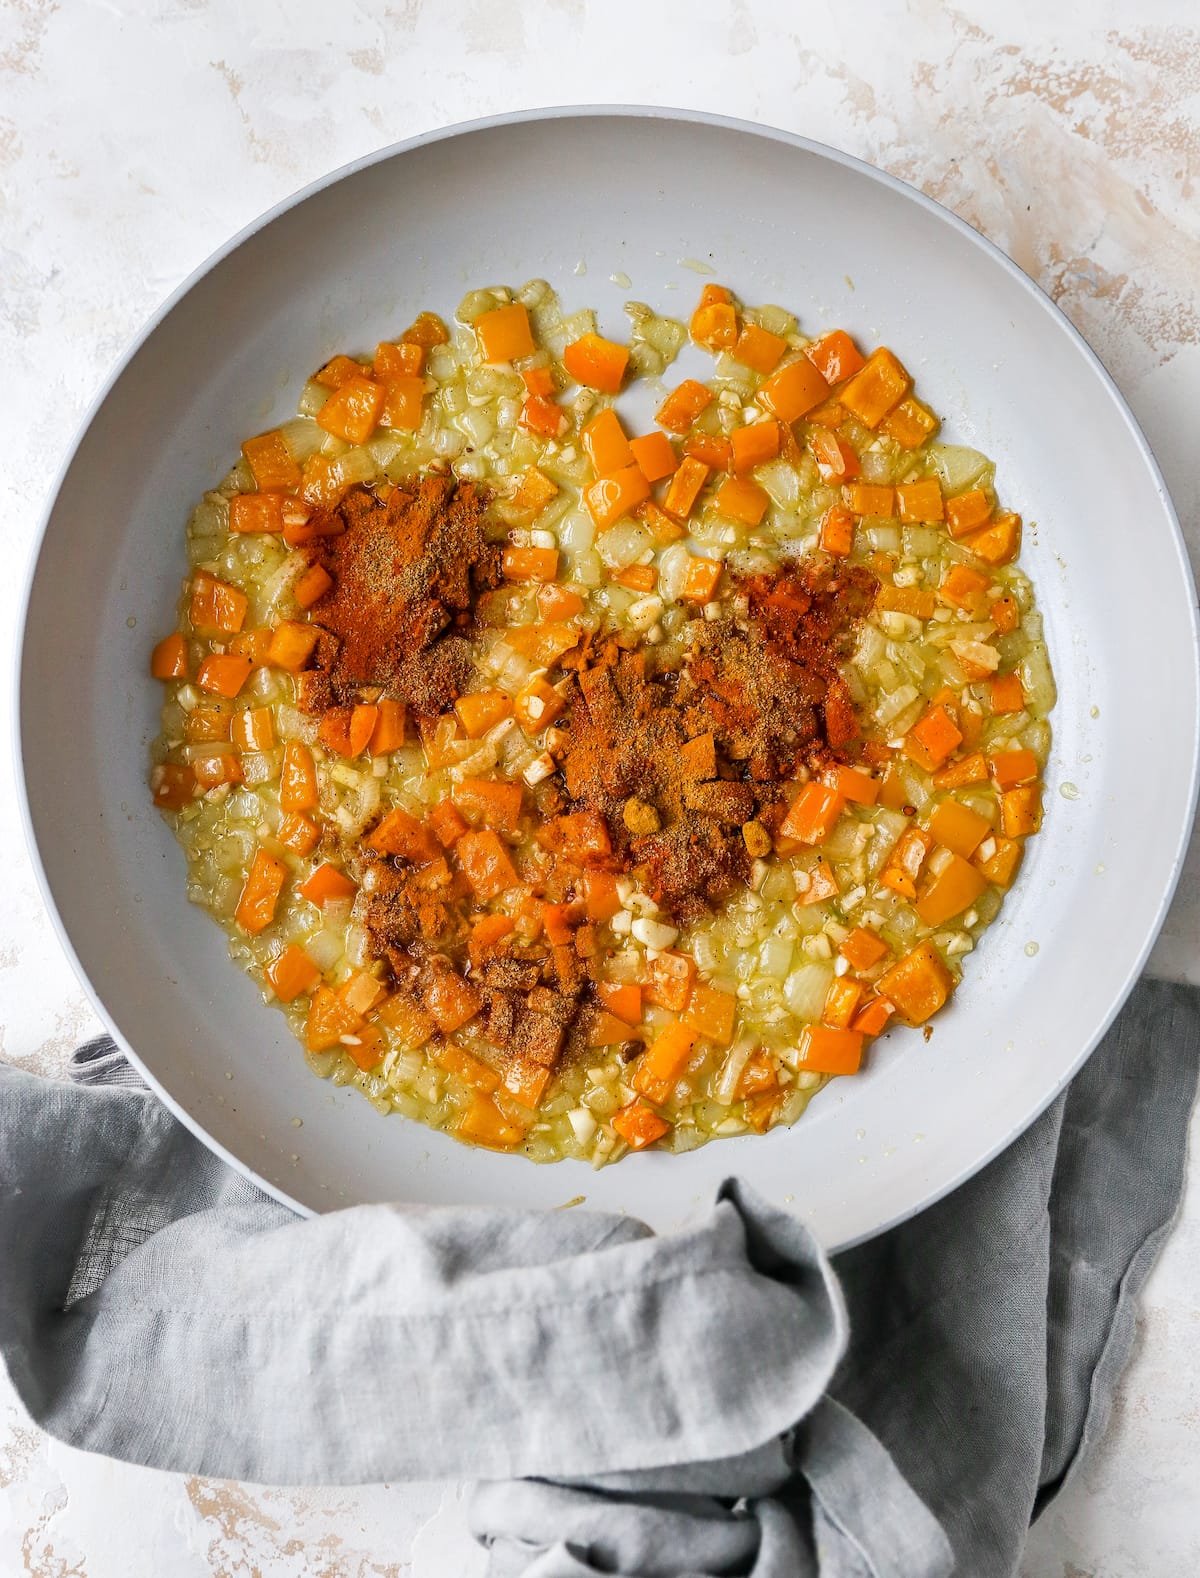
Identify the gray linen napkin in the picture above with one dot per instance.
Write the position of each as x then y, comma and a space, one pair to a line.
659, 1407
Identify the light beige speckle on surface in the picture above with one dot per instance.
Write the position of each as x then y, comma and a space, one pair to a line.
135, 139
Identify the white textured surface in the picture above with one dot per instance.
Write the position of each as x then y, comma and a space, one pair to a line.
135, 135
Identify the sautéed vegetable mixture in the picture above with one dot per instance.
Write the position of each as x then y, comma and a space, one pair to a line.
575, 790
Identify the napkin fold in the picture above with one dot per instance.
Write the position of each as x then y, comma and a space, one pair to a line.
688, 1404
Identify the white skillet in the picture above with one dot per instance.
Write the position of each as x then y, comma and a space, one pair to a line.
637, 193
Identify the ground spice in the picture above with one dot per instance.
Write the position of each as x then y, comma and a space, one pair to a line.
675, 774
407, 572
686, 765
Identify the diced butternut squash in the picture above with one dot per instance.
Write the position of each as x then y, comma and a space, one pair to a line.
352, 411
969, 770
264, 883
490, 802
1021, 810
841, 1002
658, 1070
1005, 614
215, 605
967, 512
218, 768
835, 356
464, 1065
792, 390
329, 1020
173, 785
700, 580
637, 577
918, 984
753, 445
526, 1080
391, 725
535, 492
711, 1013
622, 998
403, 405
312, 585
1006, 693
484, 1124
869, 498
852, 784
958, 827
933, 739
685, 487
609, 498
999, 859
451, 1000
537, 705
906, 600
542, 416
825, 1050
530, 564
448, 824
920, 501
400, 833
597, 363
964, 588
669, 980
256, 512
481, 710
327, 885
873, 1016
606, 444
291, 645
557, 602
952, 890
909, 423
292, 973
347, 731
1010, 768
270, 461
426, 329
337, 371
601, 898
714, 325
298, 832
813, 814
999, 542
224, 673
863, 949
252, 730
398, 359
837, 531
504, 334
639, 1126
606, 1030
758, 348
876, 388
742, 500
298, 778
169, 660
485, 863
822, 885
683, 405
654, 455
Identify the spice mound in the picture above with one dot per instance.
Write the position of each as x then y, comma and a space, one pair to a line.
405, 573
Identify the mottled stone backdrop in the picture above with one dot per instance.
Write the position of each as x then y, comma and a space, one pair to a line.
136, 135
